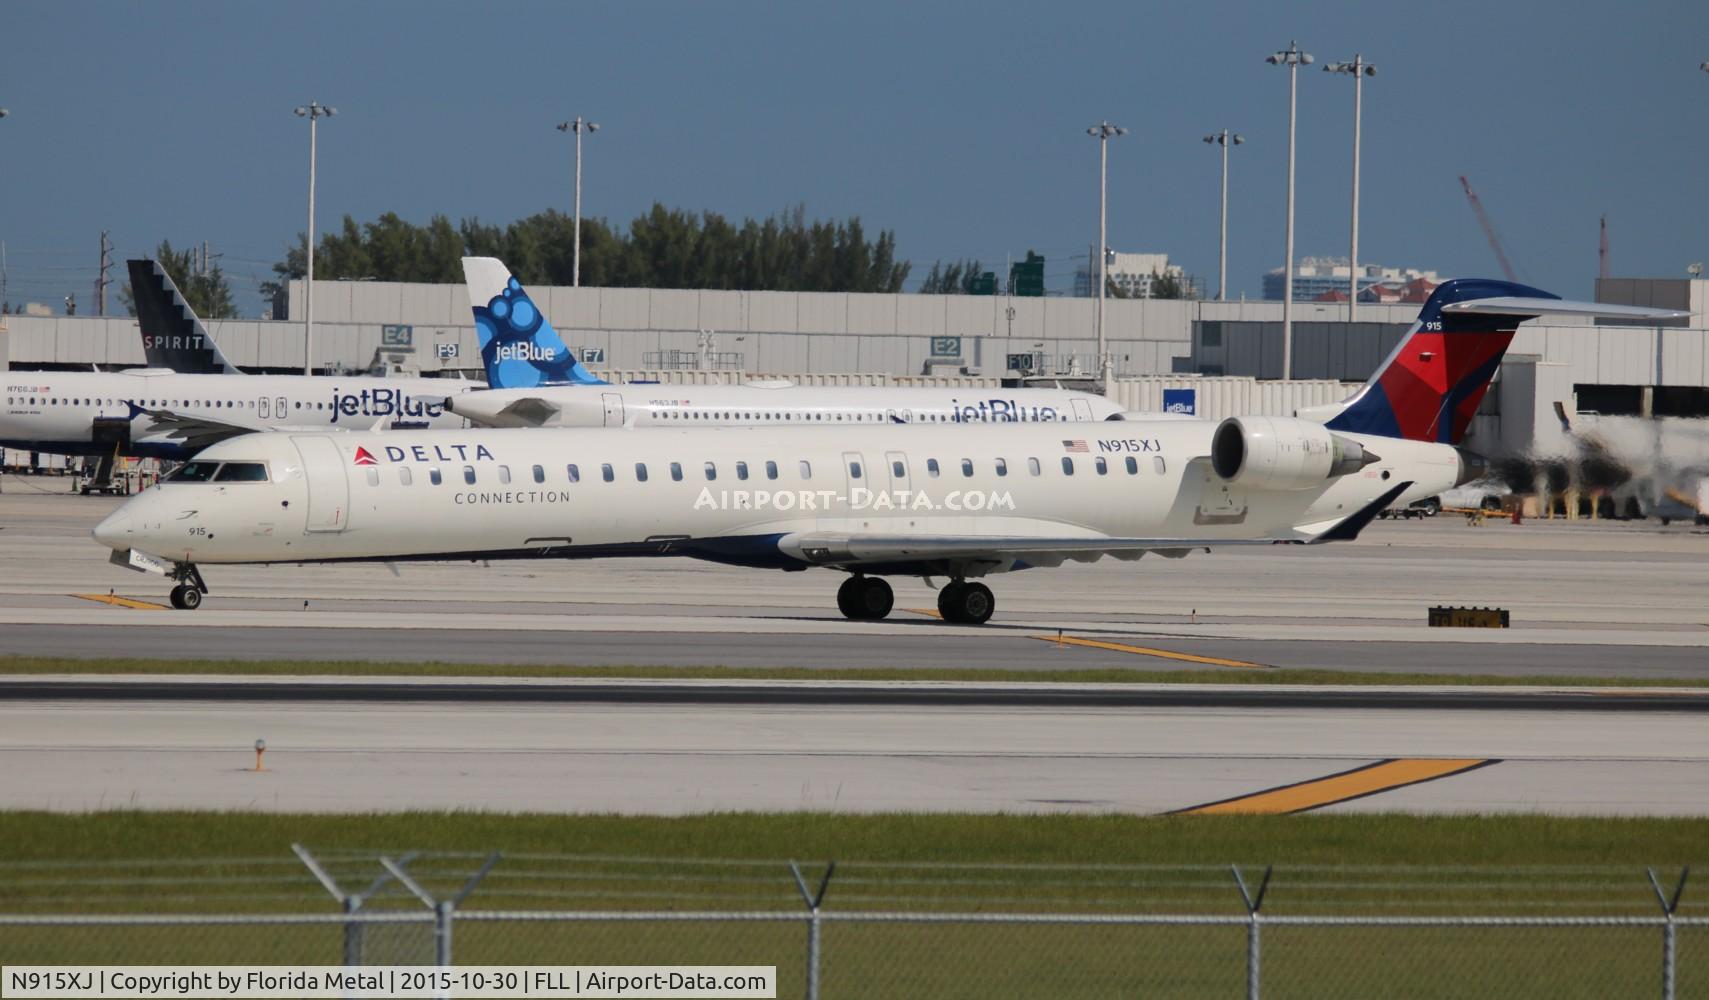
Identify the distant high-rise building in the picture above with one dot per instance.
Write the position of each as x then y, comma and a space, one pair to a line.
1132, 274
1325, 279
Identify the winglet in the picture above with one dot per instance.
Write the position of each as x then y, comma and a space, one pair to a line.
1348, 528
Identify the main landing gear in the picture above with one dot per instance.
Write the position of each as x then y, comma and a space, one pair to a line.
966, 603
865, 598
187, 596
868, 598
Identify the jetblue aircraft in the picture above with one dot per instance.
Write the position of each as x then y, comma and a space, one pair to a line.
938, 502
157, 412
536, 381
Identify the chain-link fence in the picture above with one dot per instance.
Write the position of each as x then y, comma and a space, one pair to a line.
862, 954
895, 929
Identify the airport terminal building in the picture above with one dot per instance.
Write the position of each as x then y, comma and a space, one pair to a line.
1215, 358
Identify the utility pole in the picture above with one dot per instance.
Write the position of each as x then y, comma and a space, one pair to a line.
1292, 58
1225, 138
101, 280
1103, 132
313, 111
1359, 69
578, 126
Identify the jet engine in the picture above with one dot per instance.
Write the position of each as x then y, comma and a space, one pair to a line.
1283, 453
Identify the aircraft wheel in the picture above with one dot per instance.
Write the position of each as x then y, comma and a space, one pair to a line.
186, 597
967, 603
865, 598
949, 599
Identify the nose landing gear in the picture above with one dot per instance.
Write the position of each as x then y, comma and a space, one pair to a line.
865, 598
187, 596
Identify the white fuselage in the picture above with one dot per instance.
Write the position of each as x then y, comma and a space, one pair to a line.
58, 411
661, 405
731, 494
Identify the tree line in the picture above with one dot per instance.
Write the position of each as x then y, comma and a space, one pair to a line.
663, 248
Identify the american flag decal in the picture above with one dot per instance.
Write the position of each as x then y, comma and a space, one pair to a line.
1074, 446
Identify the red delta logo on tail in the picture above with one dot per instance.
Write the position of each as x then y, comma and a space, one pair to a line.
1430, 387
363, 457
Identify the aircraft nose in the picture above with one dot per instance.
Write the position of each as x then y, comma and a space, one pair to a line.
115, 530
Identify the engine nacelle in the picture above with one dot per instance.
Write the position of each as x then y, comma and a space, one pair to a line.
1283, 453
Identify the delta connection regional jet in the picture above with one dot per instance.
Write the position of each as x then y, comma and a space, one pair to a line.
957, 503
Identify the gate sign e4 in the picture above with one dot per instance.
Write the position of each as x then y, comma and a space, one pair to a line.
1180, 401
946, 347
397, 335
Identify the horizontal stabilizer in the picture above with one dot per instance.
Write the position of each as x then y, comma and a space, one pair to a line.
1515, 305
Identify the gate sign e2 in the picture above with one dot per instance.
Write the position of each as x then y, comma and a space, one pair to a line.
946, 347
395, 336
1180, 401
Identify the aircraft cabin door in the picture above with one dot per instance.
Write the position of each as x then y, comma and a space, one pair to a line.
263, 407
329, 489
1082, 409
858, 491
613, 408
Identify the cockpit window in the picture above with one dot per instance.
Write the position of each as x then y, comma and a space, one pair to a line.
194, 472
242, 472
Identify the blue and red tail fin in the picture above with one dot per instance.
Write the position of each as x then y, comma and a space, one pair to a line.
1429, 388
1431, 385
518, 346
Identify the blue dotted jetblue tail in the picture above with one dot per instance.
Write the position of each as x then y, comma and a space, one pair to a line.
518, 346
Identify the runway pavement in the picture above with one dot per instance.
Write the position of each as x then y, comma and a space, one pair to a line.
353, 756
1586, 599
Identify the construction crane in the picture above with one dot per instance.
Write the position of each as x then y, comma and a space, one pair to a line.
1602, 251
1489, 230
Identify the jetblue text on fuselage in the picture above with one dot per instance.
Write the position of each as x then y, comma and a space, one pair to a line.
382, 403
1001, 411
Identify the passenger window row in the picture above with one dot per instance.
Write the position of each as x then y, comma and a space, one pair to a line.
804, 470
207, 404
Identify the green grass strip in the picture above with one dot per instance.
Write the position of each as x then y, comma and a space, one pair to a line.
23, 665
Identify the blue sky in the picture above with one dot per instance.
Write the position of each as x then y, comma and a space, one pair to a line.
959, 125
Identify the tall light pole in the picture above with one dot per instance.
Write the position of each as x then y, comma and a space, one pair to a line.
1360, 69
1103, 132
314, 112
1293, 58
1225, 139
578, 126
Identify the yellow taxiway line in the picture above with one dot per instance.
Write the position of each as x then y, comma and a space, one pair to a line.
1167, 654
121, 602
1370, 779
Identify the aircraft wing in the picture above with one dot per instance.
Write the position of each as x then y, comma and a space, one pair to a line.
860, 549
194, 431
529, 411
